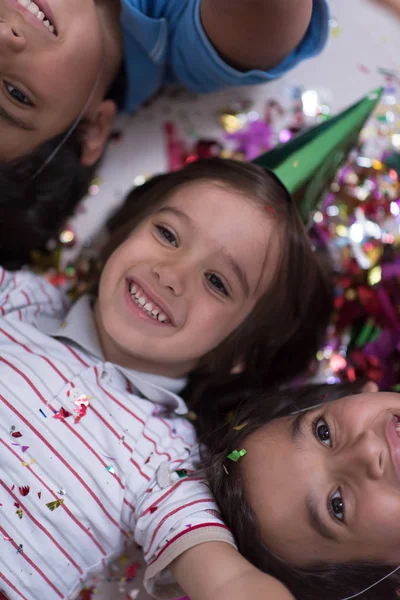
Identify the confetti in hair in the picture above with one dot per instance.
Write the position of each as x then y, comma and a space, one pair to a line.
240, 427
236, 455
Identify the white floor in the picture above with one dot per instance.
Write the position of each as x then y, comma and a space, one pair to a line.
367, 38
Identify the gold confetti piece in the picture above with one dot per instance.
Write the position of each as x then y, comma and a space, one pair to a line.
19, 512
240, 427
55, 504
28, 464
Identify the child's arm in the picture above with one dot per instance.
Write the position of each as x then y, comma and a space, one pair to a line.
256, 34
216, 571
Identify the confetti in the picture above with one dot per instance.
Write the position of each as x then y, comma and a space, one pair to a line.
20, 549
236, 455
111, 469
55, 504
132, 570
19, 510
240, 427
43, 413
39, 495
16, 434
62, 414
24, 448
28, 464
182, 473
153, 509
24, 490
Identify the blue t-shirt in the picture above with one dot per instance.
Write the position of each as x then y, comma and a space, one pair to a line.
164, 42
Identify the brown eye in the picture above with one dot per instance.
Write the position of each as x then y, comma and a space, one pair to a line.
167, 235
322, 432
337, 506
17, 95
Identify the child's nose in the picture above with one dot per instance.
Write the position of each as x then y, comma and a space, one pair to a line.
367, 456
10, 39
172, 276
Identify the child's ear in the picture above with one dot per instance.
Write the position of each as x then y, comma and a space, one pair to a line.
96, 133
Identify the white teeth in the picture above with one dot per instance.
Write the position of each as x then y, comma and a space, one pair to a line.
148, 307
33, 8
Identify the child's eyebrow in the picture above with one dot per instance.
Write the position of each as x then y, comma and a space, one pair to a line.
14, 121
241, 275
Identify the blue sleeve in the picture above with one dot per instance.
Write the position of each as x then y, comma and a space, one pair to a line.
194, 62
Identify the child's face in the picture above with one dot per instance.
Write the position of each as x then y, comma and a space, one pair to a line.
325, 484
46, 78
185, 279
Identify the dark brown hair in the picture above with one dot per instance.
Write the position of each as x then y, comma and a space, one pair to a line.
283, 332
320, 580
33, 208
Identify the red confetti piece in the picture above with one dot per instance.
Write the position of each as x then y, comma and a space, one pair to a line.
86, 594
16, 434
24, 490
153, 509
132, 569
39, 495
62, 414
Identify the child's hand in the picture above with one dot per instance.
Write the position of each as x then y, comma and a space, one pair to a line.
216, 571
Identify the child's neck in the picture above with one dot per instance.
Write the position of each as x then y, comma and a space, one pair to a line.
109, 13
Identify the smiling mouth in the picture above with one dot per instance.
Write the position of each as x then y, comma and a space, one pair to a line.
38, 13
147, 304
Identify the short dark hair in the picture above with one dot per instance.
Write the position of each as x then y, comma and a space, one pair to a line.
286, 328
34, 208
320, 580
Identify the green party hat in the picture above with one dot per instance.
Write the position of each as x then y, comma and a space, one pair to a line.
307, 164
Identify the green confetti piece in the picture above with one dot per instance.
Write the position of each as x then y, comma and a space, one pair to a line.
236, 455
182, 473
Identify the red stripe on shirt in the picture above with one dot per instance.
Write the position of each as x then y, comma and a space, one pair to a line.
65, 463
24, 556
12, 587
139, 469
40, 526
28, 300
171, 514
171, 489
63, 506
69, 427
131, 413
15, 341
179, 535
74, 353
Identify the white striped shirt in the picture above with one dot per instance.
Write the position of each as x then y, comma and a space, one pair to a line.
104, 444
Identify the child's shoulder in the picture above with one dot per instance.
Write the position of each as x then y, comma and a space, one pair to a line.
24, 291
